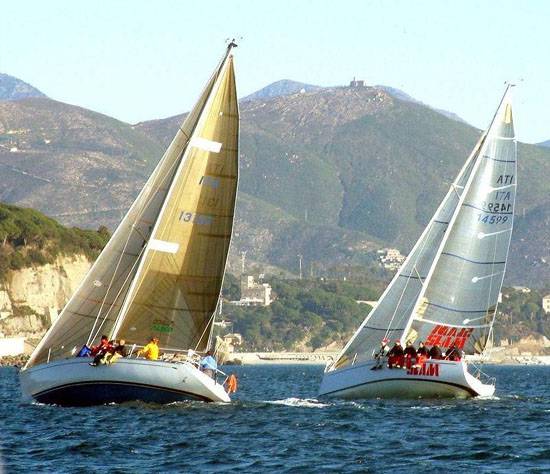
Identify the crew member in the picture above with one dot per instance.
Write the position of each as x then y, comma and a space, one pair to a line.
118, 351
151, 350
435, 352
209, 365
410, 355
381, 354
453, 353
421, 354
101, 350
396, 355
101, 347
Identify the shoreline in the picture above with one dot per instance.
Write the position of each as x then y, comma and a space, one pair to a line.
310, 358
322, 358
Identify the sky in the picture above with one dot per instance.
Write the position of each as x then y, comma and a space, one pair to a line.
141, 60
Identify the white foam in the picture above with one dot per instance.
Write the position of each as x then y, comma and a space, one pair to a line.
299, 402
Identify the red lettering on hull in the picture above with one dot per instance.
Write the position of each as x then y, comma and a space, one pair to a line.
429, 369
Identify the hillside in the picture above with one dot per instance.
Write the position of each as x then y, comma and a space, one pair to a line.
74, 164
29, 238
361, 160
41, 264
331, 174
12, 88
280, 88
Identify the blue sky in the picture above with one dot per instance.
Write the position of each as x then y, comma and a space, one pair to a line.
138, 60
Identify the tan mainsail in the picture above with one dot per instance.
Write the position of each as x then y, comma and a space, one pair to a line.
97, 306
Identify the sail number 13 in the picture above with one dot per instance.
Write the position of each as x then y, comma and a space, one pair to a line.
195, 217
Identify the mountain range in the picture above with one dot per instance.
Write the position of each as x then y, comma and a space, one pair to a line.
327, 173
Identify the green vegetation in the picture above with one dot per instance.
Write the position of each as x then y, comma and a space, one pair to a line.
339, 167
310, 314
27, 238
520, 314
305, 314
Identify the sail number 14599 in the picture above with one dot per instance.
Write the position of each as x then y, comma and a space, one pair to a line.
487, 219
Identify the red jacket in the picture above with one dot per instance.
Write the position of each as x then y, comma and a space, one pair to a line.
102, 347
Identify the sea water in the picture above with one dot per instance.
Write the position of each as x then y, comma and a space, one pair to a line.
276, 424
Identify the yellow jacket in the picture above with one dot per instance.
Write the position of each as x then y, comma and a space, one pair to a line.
150, 351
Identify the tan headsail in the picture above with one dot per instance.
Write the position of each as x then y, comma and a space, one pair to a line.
176, 291
96, 305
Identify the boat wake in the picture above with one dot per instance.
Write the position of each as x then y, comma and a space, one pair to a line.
299, 402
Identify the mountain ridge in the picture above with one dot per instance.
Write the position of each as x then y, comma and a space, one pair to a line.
12, 88
332, 174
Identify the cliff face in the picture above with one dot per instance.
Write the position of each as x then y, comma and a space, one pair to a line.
31, 298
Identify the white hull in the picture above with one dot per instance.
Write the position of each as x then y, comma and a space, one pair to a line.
437, 378
75, 382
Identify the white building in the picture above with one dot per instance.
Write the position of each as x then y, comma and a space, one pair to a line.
390, 258
546, 304
12, 346
254, 293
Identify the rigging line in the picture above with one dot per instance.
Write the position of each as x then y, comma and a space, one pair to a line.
147, 201
212, 317
401, 296
119, 293
418, 275
108, 289
492, 262
454, 187
457, 310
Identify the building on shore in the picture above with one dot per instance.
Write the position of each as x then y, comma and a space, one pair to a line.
546, 303
390, 259
253, 293
11, 346
523, 289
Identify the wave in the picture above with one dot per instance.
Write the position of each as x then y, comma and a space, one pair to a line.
299, 402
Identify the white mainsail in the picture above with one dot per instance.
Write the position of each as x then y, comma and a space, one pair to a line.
162, 270
458, 262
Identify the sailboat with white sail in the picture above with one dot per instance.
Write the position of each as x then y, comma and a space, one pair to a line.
447, 290
159, 275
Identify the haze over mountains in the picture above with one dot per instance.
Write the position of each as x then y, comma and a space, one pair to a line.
328, 173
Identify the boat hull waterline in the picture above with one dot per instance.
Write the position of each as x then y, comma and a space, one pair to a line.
73, 382
436, 379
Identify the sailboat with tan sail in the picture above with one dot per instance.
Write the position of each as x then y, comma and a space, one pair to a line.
159, 275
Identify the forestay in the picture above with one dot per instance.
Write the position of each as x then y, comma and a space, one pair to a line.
208, 209
392, 318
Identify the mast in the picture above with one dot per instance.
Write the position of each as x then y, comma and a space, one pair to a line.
453, 220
